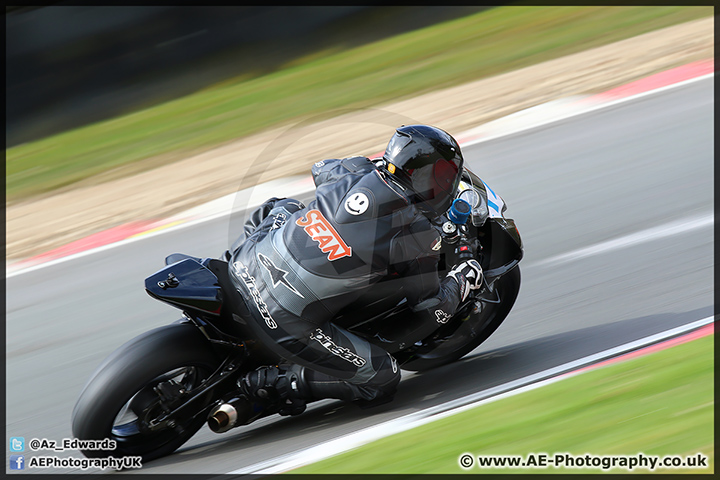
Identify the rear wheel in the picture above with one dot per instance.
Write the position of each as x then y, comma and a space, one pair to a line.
461, 336
137, 384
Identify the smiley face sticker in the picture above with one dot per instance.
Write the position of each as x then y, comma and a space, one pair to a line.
357, 204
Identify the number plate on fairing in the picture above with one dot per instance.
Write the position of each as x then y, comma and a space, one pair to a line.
496, 205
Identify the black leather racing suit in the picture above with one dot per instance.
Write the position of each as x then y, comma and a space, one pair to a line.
300, 265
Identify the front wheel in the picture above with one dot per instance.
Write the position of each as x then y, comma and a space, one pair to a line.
121, 401
461, 336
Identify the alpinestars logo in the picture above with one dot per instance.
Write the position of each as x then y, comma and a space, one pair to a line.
393, 363
249, 280
341, 352
279, 221
320, 230
277, 275
437, 244
441, 316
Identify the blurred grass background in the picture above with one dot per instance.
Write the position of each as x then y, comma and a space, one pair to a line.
487, 43
658, 404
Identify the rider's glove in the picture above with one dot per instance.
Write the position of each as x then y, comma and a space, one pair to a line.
468, 275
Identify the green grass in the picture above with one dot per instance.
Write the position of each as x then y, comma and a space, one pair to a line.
659, 404
488, 43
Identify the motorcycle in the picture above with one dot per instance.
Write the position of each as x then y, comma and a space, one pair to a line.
156, 391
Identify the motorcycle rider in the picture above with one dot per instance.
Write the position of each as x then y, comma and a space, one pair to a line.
297, 266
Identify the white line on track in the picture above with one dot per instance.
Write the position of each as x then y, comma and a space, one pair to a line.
587, 109
673, 228
591, 108
342, 444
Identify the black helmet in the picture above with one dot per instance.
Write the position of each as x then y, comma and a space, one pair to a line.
428, 161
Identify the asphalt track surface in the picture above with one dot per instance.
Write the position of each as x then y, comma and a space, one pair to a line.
583, 181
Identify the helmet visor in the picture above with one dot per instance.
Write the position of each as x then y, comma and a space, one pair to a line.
436, 184
445, 174
430, 167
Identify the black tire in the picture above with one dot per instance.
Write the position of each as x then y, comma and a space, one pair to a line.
458, 338
177, 351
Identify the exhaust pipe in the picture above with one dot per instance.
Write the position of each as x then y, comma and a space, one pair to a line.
228, 415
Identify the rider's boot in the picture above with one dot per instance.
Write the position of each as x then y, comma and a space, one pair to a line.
289, 388
279, 388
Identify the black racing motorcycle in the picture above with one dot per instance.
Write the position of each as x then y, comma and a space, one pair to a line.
156, 391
